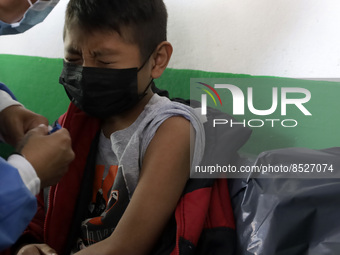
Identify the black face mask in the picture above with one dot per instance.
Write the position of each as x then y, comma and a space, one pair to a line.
102, 92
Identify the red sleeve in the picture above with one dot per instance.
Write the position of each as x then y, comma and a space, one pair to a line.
36, 227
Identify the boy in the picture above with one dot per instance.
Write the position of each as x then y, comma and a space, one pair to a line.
127, 193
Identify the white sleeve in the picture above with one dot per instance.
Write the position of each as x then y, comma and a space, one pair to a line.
6, 100
27, 173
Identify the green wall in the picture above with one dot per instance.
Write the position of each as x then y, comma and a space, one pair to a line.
34, 81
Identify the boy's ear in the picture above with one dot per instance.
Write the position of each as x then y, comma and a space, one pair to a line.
161, 58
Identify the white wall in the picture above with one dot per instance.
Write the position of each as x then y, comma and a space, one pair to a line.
291, 38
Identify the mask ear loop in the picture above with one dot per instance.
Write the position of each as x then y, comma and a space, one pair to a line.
147, 59
146, 89
150, 83
30, 2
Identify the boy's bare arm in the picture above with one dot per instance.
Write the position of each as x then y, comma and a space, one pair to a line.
165, 171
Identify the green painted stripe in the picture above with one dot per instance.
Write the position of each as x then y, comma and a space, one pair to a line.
34, 81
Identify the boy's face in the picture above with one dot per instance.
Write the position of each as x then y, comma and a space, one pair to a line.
104, 49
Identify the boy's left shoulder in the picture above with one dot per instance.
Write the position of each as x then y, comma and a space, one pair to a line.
175, 124
172, 119
163, 107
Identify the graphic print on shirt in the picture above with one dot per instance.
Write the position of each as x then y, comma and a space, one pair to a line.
109, 201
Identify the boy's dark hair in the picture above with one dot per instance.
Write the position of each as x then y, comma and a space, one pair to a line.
146, 20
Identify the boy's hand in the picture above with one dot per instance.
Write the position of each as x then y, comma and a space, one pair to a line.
16, 121
36, 249
50, 155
